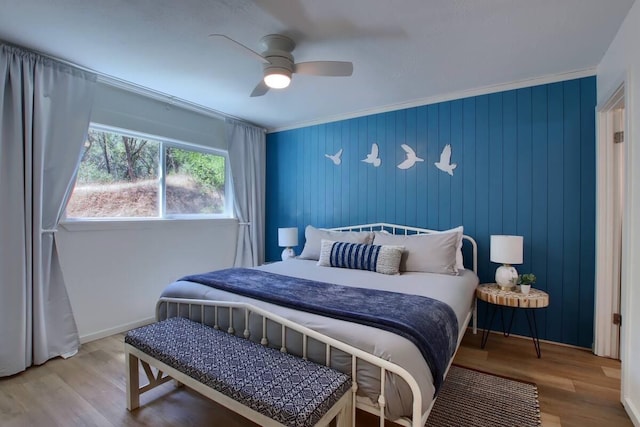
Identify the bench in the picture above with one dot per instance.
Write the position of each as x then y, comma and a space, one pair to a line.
267, 386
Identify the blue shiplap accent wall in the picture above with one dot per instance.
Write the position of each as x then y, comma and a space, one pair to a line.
526, 166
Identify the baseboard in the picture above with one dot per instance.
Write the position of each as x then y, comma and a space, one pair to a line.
115, 330
632, 411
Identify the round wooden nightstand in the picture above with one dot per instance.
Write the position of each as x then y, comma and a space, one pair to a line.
498, 298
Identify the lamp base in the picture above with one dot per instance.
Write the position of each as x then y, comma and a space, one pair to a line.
506, 277
288, 253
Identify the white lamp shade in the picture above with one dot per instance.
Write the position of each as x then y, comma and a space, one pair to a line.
288, 237
506, 249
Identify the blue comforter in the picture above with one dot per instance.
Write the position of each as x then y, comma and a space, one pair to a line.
428, 323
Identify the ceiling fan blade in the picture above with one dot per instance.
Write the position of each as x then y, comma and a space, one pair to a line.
245, 49
260, 89
324, 68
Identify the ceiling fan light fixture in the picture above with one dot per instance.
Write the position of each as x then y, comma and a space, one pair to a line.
278, 78
278, 64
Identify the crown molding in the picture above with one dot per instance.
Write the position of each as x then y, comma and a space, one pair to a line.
502, 87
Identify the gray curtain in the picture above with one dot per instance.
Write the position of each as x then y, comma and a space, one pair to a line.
247, 158
44, 116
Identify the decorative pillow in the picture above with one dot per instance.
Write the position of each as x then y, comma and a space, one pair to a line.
428, 253
381, 259
313, 237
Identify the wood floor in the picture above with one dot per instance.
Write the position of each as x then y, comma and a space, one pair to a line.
575, 389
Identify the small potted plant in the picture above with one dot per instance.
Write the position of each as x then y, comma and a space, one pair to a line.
525, 281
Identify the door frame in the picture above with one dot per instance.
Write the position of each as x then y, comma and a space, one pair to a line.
607, 341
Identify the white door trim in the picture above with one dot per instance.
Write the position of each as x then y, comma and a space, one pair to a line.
607, 273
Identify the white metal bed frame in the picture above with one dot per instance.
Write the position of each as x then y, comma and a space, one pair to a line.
364, 403
418, 417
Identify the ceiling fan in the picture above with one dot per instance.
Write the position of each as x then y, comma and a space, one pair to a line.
278, 65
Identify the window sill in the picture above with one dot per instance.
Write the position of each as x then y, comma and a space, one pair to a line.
143, 223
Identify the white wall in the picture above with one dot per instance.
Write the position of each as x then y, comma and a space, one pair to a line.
621, 63
115, 272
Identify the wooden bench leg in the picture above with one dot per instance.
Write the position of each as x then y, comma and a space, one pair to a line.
133, 382
343, 419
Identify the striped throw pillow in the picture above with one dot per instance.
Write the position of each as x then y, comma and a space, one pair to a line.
383, 259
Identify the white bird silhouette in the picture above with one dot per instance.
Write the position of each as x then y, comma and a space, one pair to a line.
335, 158
411, 158
373, 156
445, 164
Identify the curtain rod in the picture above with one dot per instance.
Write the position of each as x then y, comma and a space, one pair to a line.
142, 90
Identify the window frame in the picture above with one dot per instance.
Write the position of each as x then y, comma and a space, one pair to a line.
164, 143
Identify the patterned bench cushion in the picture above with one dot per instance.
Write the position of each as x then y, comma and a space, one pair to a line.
287, 389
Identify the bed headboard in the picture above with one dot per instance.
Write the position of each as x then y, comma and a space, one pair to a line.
406, 230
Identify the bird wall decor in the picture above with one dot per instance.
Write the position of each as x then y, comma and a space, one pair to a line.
445, 164
335, 158
372, 157
411, 158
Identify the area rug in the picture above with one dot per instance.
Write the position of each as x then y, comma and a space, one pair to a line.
470, 398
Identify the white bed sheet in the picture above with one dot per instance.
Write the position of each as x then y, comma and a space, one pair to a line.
456, 291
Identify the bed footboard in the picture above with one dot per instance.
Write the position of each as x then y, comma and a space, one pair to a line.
240, 319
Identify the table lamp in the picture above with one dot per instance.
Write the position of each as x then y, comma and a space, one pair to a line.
506, 250
287, 238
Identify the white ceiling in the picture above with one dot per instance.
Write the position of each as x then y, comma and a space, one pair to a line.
403, 51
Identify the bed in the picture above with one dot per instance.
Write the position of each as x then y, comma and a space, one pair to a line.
456, 290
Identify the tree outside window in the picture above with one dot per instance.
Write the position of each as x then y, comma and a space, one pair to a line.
121, 176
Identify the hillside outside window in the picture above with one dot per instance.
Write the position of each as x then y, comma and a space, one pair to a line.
124, 175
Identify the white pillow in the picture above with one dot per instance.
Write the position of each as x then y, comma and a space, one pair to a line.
428, 253
459, 229
459, 257
313, 238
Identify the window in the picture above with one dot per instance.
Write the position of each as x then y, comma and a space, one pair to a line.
126, 175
